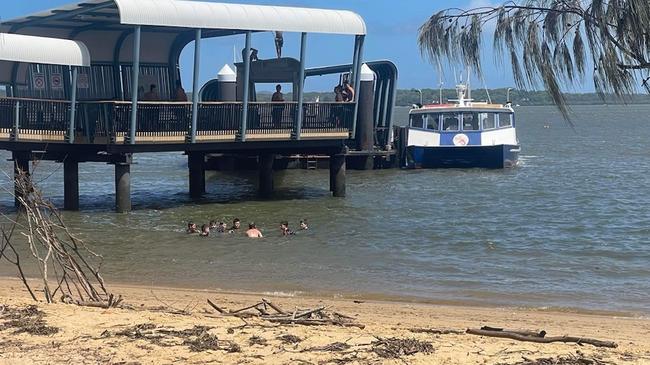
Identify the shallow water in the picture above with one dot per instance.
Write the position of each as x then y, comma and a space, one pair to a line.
569, 228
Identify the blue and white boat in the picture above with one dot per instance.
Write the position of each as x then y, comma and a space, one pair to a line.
462, 134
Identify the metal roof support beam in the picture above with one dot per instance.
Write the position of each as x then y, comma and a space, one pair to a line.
357, 81
195, 85
247, 80
73, 105
301, 85
135, 82
117, 68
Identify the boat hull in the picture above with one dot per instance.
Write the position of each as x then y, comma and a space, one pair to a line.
489, 157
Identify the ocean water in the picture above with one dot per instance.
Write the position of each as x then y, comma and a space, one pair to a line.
569, 228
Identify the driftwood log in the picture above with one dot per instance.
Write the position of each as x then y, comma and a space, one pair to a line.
537, 339
309, 317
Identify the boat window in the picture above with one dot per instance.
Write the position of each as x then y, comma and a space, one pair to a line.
433, 121
451, 122
417, 121
505, 120
489, 120
470, 121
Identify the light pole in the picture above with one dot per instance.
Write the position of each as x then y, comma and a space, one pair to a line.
421, 98
508, 95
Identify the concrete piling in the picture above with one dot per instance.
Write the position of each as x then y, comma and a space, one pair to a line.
266, 183
365, 136
21, 163
337, 175
227, 84
123, 187
70, 185
196, 164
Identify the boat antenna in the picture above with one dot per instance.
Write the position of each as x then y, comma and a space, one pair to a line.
469, 83
486, 89
440, 81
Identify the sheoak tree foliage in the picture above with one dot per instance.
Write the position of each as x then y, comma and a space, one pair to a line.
552, 42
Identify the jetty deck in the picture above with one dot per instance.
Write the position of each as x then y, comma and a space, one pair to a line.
89, 101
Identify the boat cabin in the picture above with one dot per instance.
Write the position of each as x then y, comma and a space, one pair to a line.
446, 118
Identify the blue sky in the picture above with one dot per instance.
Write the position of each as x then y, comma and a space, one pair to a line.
392, 34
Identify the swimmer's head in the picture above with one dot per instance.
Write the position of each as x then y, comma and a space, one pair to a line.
252, 226
236, 223
303, 224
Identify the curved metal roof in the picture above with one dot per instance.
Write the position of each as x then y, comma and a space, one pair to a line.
207, 15
204, 15
53, 51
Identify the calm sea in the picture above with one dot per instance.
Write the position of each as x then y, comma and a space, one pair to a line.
569, 228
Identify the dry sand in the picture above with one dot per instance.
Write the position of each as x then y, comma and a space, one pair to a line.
88, 335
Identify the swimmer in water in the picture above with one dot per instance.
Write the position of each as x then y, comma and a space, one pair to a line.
236, 225
222, 228
303, 225
192, 228
213, 225
253, 232
205, 230
284, 228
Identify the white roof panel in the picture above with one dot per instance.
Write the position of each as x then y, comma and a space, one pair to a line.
208, 15
53, 51
211, 15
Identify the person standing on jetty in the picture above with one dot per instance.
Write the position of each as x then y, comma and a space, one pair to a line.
253, 232
278, 108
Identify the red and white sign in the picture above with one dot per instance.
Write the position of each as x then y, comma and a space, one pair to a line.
56, 81
461, 140
38, 80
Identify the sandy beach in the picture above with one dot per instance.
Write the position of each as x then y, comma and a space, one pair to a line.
151, 331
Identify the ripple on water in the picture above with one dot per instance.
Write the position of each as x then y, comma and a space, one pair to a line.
567, 229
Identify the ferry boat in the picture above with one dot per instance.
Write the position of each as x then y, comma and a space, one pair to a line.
462, 134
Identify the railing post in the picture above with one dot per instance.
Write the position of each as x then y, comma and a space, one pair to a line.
135, 75
73, 105
301, 85
357, 83
247, 78
195, 85
15, 136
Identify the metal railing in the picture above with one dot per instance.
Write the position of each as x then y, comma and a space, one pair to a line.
34, 118
110, 121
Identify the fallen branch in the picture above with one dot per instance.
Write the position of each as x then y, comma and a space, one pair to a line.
310, 317
519, 337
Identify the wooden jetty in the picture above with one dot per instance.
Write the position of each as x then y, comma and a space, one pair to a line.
105, 87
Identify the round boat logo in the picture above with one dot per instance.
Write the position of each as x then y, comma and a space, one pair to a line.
461, 140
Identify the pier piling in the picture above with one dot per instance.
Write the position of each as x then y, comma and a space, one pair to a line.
266, 175
21, 163
365, 138
196, 164
227, 84
123, 187
70, 185
337, 175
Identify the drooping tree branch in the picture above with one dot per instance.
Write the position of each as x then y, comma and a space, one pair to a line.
548, 41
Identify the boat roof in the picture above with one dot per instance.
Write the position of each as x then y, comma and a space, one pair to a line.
193, 15
16, 48
439, 108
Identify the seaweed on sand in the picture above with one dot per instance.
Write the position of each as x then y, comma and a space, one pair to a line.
395, 348
26, 320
